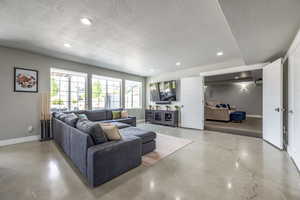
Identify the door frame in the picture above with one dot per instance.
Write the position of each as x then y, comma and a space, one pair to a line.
232, 70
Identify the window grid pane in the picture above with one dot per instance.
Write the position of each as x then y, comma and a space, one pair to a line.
106, 92
133, 94
68, 90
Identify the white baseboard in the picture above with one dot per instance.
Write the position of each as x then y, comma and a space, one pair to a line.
19, 140
255, 116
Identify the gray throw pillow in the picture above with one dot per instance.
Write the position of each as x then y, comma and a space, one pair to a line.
58, 114
93, 129
71, 119
65, 115
62, 117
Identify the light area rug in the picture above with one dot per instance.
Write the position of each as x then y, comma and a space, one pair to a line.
165, 146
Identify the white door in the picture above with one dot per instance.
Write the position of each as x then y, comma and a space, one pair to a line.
294, 106
192, 112
272, 104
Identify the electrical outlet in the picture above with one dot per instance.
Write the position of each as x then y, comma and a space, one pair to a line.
30, 129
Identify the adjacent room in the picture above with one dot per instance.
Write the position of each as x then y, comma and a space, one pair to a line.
154, 100
233, 103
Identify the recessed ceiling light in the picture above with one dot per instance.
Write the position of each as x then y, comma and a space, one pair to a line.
67, 45
236, 77
178, 64
220, 53
229, 185
86, 21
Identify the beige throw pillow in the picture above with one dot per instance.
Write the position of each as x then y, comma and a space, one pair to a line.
124, 114
111, 131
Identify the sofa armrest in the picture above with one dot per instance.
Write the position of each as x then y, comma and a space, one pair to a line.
222, 114
79, 144
111, 159
133, 119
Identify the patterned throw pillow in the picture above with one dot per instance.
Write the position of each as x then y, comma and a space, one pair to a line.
111, 131
124, 114
71, 119
116, 114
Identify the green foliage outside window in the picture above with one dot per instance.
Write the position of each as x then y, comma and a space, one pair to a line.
97, 90
57, 102
54, 88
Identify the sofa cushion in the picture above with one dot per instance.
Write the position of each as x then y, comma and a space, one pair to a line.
96, 115
125, 120
145, 135
71, 119
93, 129
120, 125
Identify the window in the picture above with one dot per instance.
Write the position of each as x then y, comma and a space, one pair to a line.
68, 90
133, 94
106, 92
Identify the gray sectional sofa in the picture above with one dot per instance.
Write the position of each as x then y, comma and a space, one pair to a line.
101, 161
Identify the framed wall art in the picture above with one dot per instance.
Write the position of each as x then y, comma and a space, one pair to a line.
25, 80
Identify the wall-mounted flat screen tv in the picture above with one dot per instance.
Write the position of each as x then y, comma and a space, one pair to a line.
163, 91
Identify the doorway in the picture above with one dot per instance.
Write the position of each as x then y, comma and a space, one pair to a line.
272, 95
233, 103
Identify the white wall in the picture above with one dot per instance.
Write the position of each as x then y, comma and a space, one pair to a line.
20, 110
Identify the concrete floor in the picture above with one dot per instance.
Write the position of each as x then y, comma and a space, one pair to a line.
215, 166
249, 127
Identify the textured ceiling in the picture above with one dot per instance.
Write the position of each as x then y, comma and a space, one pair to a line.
236, 77
136, 36
148, 37
263, 29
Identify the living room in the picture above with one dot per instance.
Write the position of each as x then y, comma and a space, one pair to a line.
106, 99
